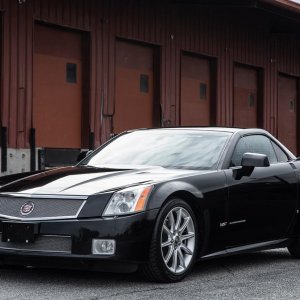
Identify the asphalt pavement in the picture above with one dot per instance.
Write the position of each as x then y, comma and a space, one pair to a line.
262, 275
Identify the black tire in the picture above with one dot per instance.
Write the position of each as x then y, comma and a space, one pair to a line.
294, 247
156, 269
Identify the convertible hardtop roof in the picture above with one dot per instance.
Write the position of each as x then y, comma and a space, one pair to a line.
211, 128
232, 130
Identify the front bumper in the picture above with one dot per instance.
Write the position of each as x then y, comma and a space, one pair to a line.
132, 235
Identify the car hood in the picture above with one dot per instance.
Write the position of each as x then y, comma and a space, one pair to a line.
85, 181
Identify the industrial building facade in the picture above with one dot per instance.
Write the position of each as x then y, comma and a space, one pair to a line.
75, 72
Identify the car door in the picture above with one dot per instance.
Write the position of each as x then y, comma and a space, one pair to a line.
262, 206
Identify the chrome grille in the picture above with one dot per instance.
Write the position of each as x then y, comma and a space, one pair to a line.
10, 207
43, 243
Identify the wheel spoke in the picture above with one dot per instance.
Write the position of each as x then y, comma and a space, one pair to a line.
178, 221
169, 254
181, 258
187, 236
185, 224
186, 249
174, 262
167, 230
172, 221
167, 243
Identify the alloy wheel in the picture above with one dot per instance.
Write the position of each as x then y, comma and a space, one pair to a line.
178, 240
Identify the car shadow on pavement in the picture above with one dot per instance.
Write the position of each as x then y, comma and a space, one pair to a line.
242, 261
91, 278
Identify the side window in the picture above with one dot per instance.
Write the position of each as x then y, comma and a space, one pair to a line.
281, 156
255, 144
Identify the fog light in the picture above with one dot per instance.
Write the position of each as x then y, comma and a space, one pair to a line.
103, 247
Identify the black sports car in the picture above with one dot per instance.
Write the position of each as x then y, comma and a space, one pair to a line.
156, 200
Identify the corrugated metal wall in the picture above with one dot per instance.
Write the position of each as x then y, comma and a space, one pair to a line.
230, 36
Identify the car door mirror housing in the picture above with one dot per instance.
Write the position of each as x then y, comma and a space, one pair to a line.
248, 163
255, 160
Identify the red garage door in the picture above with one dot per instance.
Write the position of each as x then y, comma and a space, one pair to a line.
246, 97
57, 102
287, 112
195, 91
136, 104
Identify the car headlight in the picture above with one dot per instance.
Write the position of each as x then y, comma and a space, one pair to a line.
129, 200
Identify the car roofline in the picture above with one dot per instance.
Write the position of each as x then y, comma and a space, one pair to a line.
206, 128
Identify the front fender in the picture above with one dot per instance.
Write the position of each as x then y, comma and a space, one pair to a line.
162, 192
210, 191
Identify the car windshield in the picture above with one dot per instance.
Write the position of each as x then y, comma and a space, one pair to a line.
186, 149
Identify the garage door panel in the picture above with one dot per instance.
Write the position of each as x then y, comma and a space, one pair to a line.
133, 56
195, 67
287, 111
135, 88
195, 111
245, 78
245, 108
195, 91
58, 91
57, 111
134, 109
56, 42
245, 97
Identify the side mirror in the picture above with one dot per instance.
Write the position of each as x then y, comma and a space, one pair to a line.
255, 160
249, 162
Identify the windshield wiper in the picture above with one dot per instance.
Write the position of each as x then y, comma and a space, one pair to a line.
186, 167
104, 168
